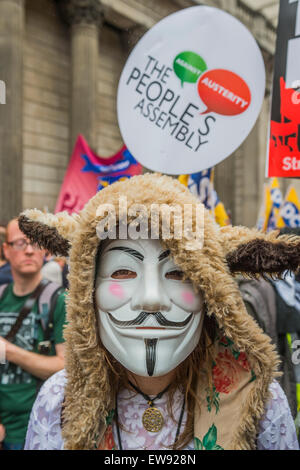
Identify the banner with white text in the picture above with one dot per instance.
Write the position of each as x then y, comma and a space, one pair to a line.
284, 138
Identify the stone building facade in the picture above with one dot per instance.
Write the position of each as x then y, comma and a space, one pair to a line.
61, 61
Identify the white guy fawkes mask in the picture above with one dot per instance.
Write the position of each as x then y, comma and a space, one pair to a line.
150, 320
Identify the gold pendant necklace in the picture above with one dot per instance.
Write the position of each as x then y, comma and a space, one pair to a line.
150, 408
152, 419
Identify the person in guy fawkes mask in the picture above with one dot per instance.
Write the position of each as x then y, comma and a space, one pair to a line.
160, 351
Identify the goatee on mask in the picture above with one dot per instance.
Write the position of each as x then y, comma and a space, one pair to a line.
150, 319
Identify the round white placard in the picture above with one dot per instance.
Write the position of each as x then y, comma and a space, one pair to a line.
190, 91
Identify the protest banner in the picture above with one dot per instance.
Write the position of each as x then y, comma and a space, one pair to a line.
190, 91
88, 173
284, 139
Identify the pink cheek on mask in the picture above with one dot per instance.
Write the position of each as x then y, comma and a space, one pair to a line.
188, 297
116, 290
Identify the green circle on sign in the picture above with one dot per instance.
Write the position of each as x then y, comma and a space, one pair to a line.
188, 66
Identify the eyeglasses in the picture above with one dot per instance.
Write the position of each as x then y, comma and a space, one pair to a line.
21, 244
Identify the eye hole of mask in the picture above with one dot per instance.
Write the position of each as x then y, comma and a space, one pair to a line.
124, 274
175, 275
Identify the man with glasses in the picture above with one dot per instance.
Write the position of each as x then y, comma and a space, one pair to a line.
25, 364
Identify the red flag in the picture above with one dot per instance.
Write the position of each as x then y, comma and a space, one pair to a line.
87, 173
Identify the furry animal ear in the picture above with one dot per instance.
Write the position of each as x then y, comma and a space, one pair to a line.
253, 253
51, 232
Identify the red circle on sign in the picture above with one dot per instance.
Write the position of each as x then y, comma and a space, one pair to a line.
224, 92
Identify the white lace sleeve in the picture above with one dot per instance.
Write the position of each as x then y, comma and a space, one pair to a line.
44, 431
277, 429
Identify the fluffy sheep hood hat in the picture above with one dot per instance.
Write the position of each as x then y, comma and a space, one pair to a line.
211, 267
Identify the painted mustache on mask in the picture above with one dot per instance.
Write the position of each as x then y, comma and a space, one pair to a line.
143, 315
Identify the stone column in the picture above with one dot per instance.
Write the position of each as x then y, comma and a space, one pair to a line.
224, 183
239, 179
131, 36
85, 18
228, 5
247, 179
11, 73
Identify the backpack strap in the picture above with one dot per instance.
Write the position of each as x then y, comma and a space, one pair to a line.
260, 295
45, 300
3, 288
26, 309
49, 298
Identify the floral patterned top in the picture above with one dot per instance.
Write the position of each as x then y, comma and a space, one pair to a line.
276, 430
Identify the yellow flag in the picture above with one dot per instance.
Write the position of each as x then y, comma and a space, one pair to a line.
290, 210
269, 214
268, 208
277, 201
221, 215
202, 185
184, 179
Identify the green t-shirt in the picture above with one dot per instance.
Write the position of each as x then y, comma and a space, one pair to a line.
18, 388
